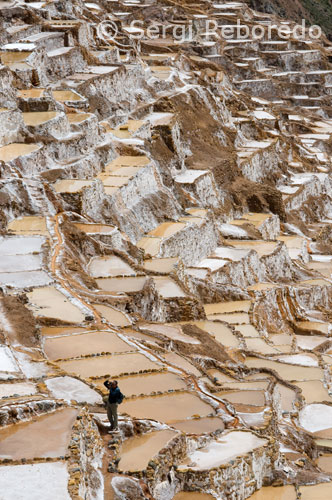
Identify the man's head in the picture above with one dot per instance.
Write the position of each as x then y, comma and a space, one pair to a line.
114, 384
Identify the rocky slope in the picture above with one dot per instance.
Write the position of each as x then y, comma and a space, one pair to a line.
166, 220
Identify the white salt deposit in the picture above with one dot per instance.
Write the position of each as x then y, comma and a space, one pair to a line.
316, 417
72, 389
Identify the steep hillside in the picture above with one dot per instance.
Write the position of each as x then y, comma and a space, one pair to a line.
314, 11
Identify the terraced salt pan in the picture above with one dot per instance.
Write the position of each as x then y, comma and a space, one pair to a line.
34, 119
15, 150
259, 345
260, 246
287, 397
15, 263
299, 359
232, 318
19, 389
219, 331
17, 245
180, 362
192, 495
314, 391
248, 330
25, 279
167, 287
125, 285
104, 267
71, 185
113, 316
147, 383
31, 93
316, 417
199, 425
317, 492
48, 302
228, 307
314, 326
324, 462
58, 331
309, 342
286, 371
250, 398
272, 493
66, 95
160, 265
69, 388
82, 344
30, 482
7, 361
45, 436
137, 451
95, 228
28, 225
108, 365
223, 450
167, 408
173, 332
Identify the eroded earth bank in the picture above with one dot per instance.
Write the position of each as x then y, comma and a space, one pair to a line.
166, 220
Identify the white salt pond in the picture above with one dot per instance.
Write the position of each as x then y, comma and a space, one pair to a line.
17, 389
173, 332
7, 361
30, 482
69, 388
316, 417
221, 451
104, 267
220, 332
19, 245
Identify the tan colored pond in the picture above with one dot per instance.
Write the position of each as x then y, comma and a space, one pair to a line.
192, 495
13, 57
252, 385
232, 318
45, 436
160, 265
254, 398
167, 229
151, 246
314, 326
111, 265
137, 451
167, 408
50, 331
167, 287
220, 332
28, 225
260, 246
317, 492
262, 286
147, 383
108, 365
38, 117
15, 150
309, 342
259, 345
95, 228
126, 160
271, 493
324, 462
126, 285
48, 302
220, 376
199, 425
78, 117
314, 391
66, 95
113, 316
173, 332
287, 397
31, 93
179, 361
82, 344
71, 185
248, 330
228, 307
285, 371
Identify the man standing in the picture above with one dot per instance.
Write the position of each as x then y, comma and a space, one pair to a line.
115, 397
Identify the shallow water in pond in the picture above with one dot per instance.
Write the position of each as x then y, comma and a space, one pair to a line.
248, 330
71, 185
95, 228
271, 493
314, 391
317, 492
126, 285
88, 343
200, 425
174, 332
179, 361
37, 118
137, 451
12, 151
324, 462
167, 229
50, 303
192, 495
254, 398
45, 436
287, 397
167, 408
286, 371
161, 265
50, 331
231, 318
29, 225
228, 307
220, 332
167, 287
113, 316
146, 383
108, 365
104, 267
66, 95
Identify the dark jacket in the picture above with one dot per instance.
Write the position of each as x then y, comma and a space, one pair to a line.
115, 395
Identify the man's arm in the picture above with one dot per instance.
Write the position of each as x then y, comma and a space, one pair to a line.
107, 384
